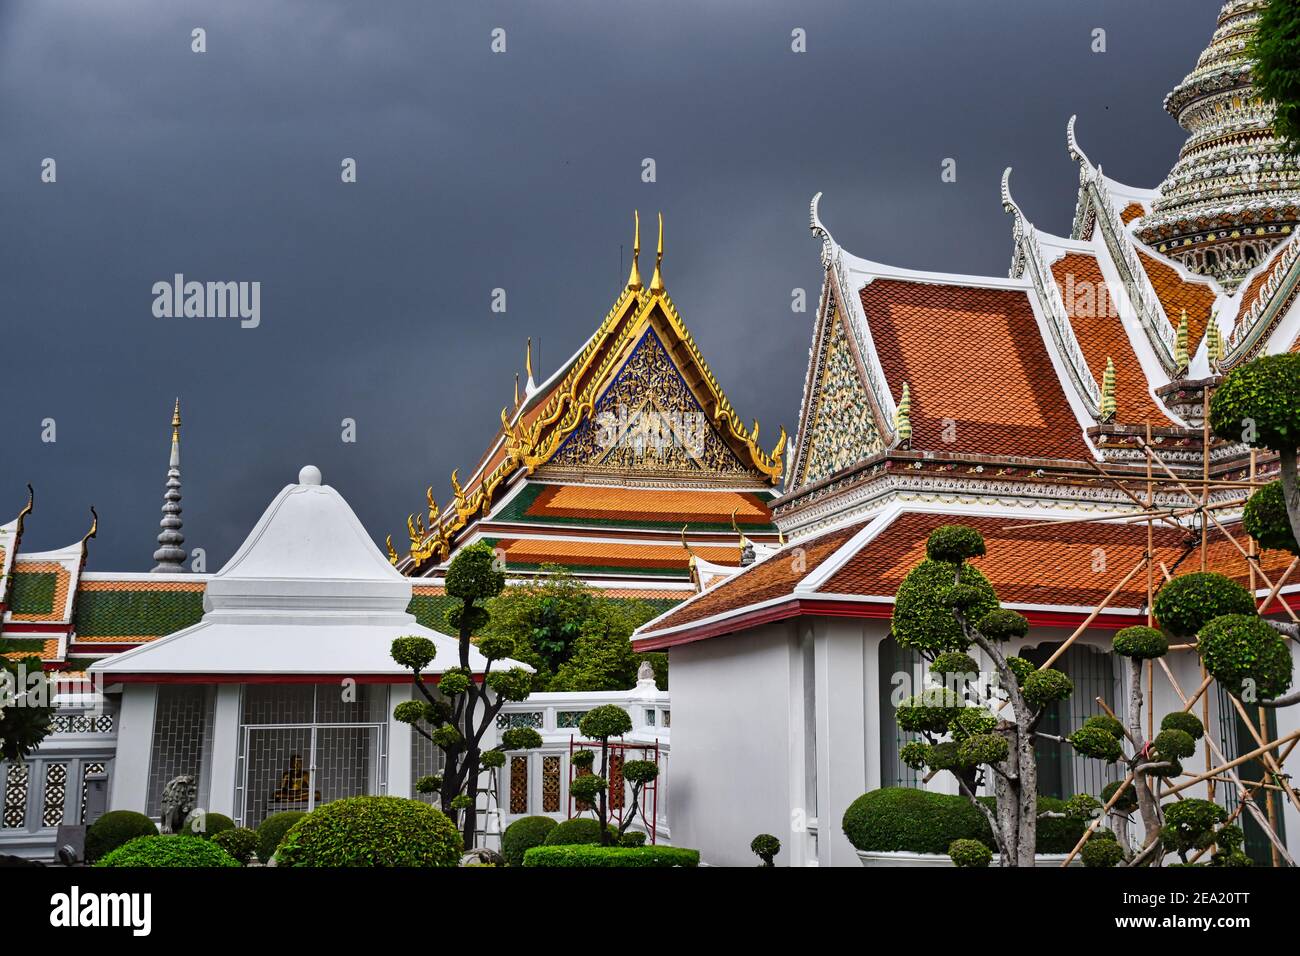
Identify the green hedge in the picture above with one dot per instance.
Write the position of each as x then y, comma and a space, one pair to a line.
578, 830
114, 829
168, 851
918, 821
583, 855
372, 831
522, 835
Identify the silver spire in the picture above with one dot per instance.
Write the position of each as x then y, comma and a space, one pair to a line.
170, 555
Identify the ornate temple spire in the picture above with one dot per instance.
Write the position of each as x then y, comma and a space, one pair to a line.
170, 555
634, 277
657, 280
903, 418
1214, 344
1233, 194
1182, 355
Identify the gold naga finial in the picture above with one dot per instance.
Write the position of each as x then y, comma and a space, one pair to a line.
687, 545
657, 280
1108, 391
176, 421
516, 392
780, 446
736, 528
903, 418
435, 520
1214, 346
412, 533
94, 527
634, 276
27, 508
392, 555
528, 359
458, 491
1181, 356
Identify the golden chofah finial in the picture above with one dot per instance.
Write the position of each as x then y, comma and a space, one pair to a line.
94, 526
176, 422
456, 489
27, 508
686, 544
736, 528
435, 520
516, 389
411, 532
392, 555
634, 276
657, 280
528, 358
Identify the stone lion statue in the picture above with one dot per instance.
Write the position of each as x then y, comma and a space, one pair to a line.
482, 856
178, 800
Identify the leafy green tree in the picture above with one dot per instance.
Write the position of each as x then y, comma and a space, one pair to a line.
457, 717
577, 639
25, 704
599, 724
1275, 49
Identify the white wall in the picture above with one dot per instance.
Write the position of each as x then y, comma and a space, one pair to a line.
129, 788
732, 746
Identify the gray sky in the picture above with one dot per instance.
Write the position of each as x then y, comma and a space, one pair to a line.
475, 171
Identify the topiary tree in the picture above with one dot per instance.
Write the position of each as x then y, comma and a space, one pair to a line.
1259, 404
944, 607
969, 853
765, 847
576, 831
372, 831
465, 707
25, 708
1277, 70
601, 723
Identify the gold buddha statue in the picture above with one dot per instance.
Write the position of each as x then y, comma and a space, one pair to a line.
295, 784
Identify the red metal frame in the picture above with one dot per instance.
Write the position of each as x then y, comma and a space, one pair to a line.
649, 793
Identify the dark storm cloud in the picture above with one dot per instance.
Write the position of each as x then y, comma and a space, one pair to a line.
479, 171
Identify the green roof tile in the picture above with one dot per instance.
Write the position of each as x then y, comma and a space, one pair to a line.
136, 613
33, 592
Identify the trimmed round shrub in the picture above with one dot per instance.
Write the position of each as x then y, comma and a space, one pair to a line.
1174, 743
1082, 806
640, 771
372, 831
576, 831
414, 652
945, 756
1096, 742
922, 620
1021, 667
583, 759
954, 662
983, 748
1189, 824
931, 710
1056, 834
765, 847
1046, 687
201, 823
522, 835
588, 787
1141, 643
169, 850
918, 821
1266, 520
492, 759
115, 828
1241, 649
1106, 722
607, 720
624, 856
954, 543
971, 721
272, 831
961, 596
1175, 769
520, 738
969, 853
914, 754
1002, 624
239, 842
1229, 838
1128, 800
1259, 403
1189, 724
1101, 853
632, 838
1190, 601
473, 574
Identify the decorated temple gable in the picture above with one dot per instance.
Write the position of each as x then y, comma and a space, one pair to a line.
841, 425
634, 418
648, 420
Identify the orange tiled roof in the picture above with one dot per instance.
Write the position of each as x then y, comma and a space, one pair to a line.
142, 584
771, 578
649, 504
610, 554
1176, 294
1133, 210
1101, 335
1046, 565
49, 651
978, 369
